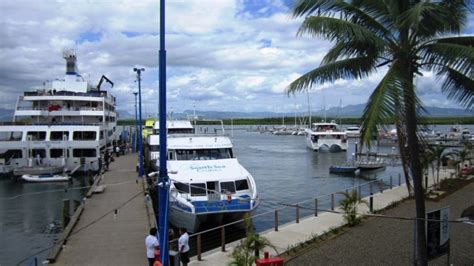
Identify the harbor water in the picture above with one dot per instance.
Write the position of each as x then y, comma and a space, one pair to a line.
285, 170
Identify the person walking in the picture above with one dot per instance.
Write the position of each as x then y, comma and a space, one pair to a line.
151, 243
183, 246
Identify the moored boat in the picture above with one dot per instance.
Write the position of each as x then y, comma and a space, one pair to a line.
43, 178
68, 123
326, 136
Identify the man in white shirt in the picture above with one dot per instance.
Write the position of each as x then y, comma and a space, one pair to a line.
183, 246
151, 243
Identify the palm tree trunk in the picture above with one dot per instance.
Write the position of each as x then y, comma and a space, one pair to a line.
404, 156
416, 169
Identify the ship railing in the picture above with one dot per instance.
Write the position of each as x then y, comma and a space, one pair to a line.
228, 235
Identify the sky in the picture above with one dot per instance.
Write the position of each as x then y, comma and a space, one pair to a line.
222, 55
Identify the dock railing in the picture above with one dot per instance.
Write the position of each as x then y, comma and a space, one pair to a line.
228, 235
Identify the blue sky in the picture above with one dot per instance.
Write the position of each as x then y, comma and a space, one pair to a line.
222, 55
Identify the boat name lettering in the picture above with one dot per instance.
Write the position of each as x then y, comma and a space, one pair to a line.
207, 168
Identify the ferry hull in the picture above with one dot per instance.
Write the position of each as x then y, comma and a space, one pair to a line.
197, 222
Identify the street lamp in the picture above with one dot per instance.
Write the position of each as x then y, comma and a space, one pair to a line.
135, 147
141, 171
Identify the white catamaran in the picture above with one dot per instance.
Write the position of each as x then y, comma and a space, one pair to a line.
326, 136
66, 126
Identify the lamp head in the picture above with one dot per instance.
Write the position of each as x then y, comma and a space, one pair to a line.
135, 93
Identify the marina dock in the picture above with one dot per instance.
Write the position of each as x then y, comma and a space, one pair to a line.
103, 236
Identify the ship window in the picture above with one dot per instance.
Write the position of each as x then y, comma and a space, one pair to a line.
182, 187
241, 184
101, 134
181, 131
154, 147
12, 154
36, 135
38, 152
198, 189
85, 135
11, 135
56, 153
227, 187
59, 135
84, 153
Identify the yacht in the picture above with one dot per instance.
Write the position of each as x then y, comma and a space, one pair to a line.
326, 136
208, 185
353, 132
68, 125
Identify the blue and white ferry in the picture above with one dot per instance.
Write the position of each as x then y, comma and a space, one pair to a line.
208, 184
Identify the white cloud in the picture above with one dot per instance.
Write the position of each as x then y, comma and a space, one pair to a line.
220, 55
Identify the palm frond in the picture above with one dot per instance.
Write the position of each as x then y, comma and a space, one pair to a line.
306, 7
382, 105
461, 40
458, 87
437, 56
352, 49
353, 68
338, 30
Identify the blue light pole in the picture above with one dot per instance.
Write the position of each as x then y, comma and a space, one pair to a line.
141, 171
135, 147
163, 184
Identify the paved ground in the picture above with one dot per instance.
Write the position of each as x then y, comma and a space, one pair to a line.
390, 242
113, 239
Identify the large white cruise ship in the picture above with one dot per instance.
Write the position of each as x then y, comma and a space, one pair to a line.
208, 184
69, 124
326, 136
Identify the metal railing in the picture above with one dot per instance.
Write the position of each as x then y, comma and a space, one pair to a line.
222, 235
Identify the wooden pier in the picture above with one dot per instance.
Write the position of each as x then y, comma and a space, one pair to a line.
113, 224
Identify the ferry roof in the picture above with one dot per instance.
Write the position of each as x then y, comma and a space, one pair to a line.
175, 124
201, 171
193, 141
324, 124
4, 128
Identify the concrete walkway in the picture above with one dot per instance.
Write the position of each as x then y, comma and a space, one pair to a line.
293, 234
102, 238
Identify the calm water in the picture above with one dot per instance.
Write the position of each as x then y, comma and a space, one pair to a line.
285, 171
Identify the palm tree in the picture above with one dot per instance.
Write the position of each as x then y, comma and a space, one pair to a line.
404, 37
349, 205
438, 152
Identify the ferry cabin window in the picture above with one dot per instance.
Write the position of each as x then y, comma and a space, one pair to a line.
11, 135
84, 153
85, 135
40, 152
36, 135
12, 154
154, 147
182, 187
204, 154
56, 153
198, 189
59, 135
241, 184
228, 187
181, 131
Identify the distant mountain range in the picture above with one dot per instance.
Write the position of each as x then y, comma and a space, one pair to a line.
335, 112
346, 112
6, 114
